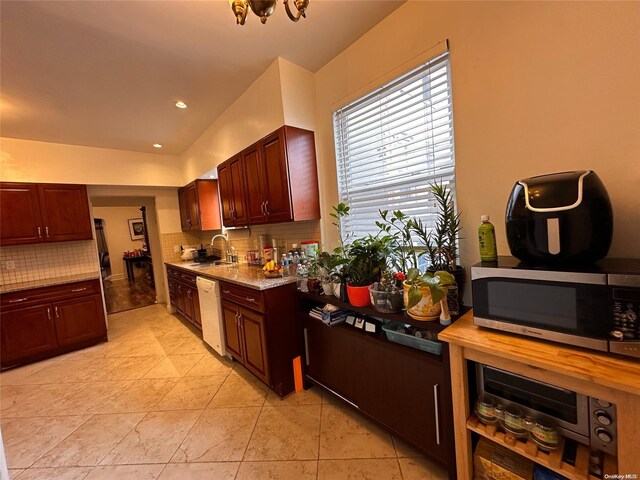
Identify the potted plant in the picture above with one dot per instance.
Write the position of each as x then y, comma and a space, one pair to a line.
341, 252
441, 243
366, 263
386, 295
423, 292
329, 266
313, 279
396, 229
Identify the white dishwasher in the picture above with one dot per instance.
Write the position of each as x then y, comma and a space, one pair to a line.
212, 328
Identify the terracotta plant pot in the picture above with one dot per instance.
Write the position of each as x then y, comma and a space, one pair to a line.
358, 296
424, 310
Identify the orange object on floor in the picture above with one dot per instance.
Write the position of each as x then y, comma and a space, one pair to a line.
297, 374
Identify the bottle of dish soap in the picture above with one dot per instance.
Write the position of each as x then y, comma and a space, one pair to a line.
487, 240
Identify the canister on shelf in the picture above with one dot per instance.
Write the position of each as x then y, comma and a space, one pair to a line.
544, 433
486, 409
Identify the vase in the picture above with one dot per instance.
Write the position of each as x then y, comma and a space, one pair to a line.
425, 309
358, 296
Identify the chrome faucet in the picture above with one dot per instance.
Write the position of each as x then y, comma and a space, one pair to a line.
226, 243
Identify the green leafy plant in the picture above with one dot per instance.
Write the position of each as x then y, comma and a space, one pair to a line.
434, 281
389, 282
397, 229
339, 212
329, 265
441, 243
367, 260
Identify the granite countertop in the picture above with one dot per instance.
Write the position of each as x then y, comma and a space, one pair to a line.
239, 273
47, 282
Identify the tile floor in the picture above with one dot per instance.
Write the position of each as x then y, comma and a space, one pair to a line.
155, 403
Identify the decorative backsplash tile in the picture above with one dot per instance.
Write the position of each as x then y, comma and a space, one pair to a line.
28, 263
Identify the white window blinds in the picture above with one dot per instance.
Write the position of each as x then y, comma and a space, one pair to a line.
392, 143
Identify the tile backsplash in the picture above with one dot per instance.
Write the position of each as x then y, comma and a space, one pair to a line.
27, 263
242, 239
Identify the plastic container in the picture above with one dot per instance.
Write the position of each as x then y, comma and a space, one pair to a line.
430, 346
309, 248
386, 302
487, 240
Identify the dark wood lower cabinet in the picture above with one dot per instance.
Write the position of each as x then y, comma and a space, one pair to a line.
45, 322
406, 390
260, 332
183, 295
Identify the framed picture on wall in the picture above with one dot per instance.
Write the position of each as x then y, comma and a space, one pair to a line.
136, 228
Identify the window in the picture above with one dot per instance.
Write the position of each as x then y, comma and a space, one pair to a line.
392, 143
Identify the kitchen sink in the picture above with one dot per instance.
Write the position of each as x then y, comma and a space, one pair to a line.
217, 263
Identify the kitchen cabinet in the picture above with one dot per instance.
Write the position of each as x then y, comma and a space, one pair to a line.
199, 206
231, 181
280, 181
48, 321
405, 390
259, 330
183, 295
36, 213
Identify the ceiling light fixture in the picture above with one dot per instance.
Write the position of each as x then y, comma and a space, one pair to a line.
157, 145
180, 104
264, 9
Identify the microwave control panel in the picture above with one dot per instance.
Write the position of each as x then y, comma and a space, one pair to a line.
603, 426
625, 314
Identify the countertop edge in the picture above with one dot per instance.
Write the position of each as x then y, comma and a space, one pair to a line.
590, 366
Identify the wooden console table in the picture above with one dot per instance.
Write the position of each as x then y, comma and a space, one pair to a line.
606, 377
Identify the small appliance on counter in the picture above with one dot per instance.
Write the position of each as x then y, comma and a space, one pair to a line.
188, 253
559, 218
594, 307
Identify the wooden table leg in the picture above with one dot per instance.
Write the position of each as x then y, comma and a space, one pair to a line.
460, 397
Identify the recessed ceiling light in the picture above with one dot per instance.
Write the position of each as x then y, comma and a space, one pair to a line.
157, 145
180, 104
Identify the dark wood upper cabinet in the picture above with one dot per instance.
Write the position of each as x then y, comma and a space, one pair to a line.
277, 180
199, 206
33, 213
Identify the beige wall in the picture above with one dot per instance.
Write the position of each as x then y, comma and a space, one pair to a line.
538, 87
298, 95
29, 161
257, 112
116, 228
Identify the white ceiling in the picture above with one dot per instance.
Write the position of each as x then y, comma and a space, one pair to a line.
106, 73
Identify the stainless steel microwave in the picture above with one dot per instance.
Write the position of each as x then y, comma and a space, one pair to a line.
587, 420
596, 307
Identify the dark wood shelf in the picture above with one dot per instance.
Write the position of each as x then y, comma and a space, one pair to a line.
433, 326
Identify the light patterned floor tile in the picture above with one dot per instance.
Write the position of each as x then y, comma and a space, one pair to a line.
191, 393
174, 366
313, 396
421, 469
29, 444
64, 473
237, 391
141, 396
202, 471
211, 364
92, 441
125, 472
404, 450
91, 399
154, 439
34, 400
345, 434
286, 433
298, 470
220, 434
361, 469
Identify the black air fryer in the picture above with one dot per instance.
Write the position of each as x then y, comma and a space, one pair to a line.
560, 218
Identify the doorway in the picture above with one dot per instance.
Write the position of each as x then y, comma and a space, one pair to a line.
125, 253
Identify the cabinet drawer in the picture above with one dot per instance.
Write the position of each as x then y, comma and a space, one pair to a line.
182, 276
54, 292
248, 297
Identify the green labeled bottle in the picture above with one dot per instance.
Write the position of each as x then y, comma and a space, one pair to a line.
487, 240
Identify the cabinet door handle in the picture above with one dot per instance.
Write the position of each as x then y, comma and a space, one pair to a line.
266, 208
46, 231
263, 208
233, 213
250, 299
179, 289
436, 411
55, 309
49, 312
79, 289
39, 232
189, 293
306, 347
227, 292
18, 300
237, 319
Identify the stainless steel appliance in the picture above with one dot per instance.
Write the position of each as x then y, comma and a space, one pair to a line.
595, 307
587, 420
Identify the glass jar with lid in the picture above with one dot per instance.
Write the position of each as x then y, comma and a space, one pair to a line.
486, 409
544, 434
513, 421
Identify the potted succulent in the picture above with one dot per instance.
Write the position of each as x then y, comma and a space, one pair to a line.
329, 266
386, 295
423, 292
366, 263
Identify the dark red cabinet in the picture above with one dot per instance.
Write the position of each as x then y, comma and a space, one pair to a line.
183, 295
34, 213
274, 180
199, 207
232, 333
44, 322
